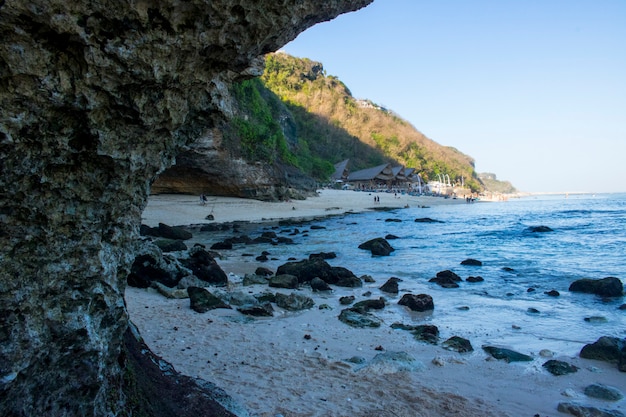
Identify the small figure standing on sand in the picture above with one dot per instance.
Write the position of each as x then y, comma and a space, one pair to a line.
203, 199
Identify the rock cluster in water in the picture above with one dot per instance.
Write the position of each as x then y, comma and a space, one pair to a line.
97, 99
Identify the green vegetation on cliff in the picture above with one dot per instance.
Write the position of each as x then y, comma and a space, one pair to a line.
297, 114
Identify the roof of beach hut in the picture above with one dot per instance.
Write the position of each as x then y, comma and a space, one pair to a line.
381, 172
341, 171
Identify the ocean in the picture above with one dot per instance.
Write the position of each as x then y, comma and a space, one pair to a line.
588, 241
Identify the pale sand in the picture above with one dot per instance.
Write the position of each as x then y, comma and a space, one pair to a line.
268, 366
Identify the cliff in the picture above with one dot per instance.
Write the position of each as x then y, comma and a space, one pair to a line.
96, 99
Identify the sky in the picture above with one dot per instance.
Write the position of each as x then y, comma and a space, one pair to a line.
533, 90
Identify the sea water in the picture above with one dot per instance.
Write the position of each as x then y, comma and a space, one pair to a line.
510, 308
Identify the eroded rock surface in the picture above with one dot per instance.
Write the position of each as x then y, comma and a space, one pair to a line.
96, 99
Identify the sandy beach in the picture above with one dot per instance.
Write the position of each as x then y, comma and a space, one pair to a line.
295, 364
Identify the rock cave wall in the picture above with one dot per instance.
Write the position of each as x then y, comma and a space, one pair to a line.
96, 98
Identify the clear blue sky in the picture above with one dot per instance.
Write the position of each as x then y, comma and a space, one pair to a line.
534, 90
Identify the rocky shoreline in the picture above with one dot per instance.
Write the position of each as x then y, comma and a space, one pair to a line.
311, 286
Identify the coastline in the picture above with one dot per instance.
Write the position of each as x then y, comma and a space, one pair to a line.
270, 366
185, 210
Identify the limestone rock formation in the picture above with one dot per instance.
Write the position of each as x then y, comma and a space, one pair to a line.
96, 99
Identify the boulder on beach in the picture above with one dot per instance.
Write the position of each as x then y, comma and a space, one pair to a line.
308, 269
603, 392
424, 332
605, 287
471, 262
558, 368
323, 255
284, 281
378, 246
539, 229
391, 363
173, 232
318, 284
294, 302
258, 310
367, 305
587, 411
358, 318
607, 349
391, 286
170, 245
427, 220
202, 300
446, 279
419, 302
204, 266
507, 355
458, 344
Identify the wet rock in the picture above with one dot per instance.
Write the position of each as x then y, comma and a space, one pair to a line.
307, 269
458, 344
446, 279
260, 310
586, 411
174, 293
391, 237
174, 232
254, 279
552, 293
605, 287
222, 245
284, 281
359, 319
147, 268
603, 392
170, 245
607, 349
343, 277
475, 279
378, 247
368, 278
204, 266
427, 220
539, 229
264, 272
595, 319
367, 305
318, 284
201, 300
419, 302
323, 255
558, 368
507, 355
472, 262
346, 300
391, 286
238, 298
393, 220
622, 307
294, 302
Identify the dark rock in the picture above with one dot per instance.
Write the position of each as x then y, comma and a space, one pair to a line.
595, 319
427, 220
378, 247
284, 240
170, 245
424, 332
531, 289
323, 255
539, 229
508, 269
294, 302
475, 279
392, 363
622, 307
343, 277
204, 266
266, 297
318, 284
559, 367
146, 269
316, 227
284, 281
393, 220
458, 344
367, 305
603, 392
254, 279
391, 286
552, 293
262, 258
222, 245
472, 262
306, 270
585, 411
446, 279
605, 287
507, 354
346, 300
262, 271
368, 278
201, 300
607, 349
532, 310
269, 235
260, 310
419, 302
359, 319
174, 232
391, 237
